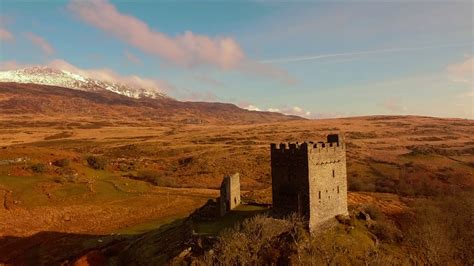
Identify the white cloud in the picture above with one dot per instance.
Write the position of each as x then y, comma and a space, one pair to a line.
253, 108
39, 41
188, 49
294, 110
394, 105
462, 72
466, 94
297, 109
10, 65
132, 58
5, 35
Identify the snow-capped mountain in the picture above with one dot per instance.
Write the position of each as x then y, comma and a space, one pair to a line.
66, 79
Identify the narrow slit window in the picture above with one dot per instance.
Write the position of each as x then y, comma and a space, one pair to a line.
333, 173
319, 194
337, 189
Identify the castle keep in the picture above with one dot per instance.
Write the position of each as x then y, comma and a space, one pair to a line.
310, 179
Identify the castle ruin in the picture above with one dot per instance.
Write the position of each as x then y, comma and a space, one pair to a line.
230, 193
310, 179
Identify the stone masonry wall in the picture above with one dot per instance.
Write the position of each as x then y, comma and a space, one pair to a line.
230, 193
290, 179
234, 188
328, 183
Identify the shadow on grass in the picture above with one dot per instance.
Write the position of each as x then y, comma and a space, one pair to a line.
151, 243
229, 220
58, 248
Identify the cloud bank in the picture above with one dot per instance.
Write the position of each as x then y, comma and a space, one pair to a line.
187, 49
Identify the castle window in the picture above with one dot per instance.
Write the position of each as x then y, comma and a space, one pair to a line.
337, 189
319, 194
333, 173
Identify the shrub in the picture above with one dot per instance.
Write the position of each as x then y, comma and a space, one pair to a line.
149, 176
127, 166
253, 242
62, 163
38, 168
385, 185
374, 212
96, 162
357, 184
440, 229
60, 180
405, 189
385, 231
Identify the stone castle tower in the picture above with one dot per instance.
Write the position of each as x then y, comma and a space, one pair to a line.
310, 179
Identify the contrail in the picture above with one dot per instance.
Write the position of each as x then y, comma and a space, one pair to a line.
394, 50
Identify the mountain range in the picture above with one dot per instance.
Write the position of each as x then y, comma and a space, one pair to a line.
66, 79
53, 92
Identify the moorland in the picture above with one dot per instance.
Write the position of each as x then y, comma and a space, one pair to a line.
81, 174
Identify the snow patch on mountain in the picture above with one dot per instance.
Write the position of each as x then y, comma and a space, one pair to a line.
66, 79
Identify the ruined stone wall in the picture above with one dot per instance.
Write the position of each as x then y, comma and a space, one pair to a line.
234, 188
230, 193
328, 182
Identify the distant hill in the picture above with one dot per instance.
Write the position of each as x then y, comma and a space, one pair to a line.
66, 79
28, 98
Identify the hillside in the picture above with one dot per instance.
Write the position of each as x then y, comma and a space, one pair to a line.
65, 79
57, 102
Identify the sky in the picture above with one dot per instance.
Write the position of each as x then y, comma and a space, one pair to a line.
315, 59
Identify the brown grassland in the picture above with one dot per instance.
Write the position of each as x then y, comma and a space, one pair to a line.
73, 183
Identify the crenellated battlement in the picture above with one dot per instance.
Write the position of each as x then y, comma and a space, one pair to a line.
334, 144
290, 147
